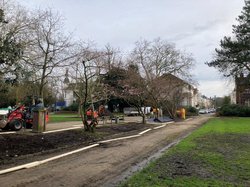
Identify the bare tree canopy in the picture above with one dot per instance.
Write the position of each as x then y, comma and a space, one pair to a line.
160, 57
34, 46
168, 93
157, 59
149, 77
49, 47
85, 73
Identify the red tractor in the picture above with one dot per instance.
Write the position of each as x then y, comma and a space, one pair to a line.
17, 118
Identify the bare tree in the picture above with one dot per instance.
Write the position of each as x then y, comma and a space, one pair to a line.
156, 59
49, 48
134, 90
87, 86
168, 91
128, 85
160, 57
112, 57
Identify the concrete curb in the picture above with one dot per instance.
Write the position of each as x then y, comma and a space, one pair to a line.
122, 138
36, 163
59, 130
188, 119
160, 127
7, 133
143, 132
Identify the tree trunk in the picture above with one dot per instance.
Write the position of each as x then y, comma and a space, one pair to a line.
144, 121
79, 110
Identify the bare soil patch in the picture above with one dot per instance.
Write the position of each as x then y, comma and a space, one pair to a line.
104, 165
14, 148
178, 165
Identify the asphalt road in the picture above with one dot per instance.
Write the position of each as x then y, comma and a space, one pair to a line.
104, 165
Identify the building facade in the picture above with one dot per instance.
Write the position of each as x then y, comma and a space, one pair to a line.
242, 88
176, 87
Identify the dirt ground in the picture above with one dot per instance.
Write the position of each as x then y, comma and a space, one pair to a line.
15, 148
105, 165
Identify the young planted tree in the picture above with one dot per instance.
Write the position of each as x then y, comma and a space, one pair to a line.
233, 56
87, 86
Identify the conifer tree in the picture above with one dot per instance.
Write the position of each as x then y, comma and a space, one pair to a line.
233, 56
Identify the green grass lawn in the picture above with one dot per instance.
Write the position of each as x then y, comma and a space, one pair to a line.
217, 154
55, 118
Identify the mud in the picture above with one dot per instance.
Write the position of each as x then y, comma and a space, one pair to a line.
16, 147
139, 166
191, 164
102, 165
178, 165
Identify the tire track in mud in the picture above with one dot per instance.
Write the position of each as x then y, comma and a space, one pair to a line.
37, 163
139, 166
100, 167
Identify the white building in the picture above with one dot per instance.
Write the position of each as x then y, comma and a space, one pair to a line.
233, 97
68, 93
204, 102
179, 90
190, 96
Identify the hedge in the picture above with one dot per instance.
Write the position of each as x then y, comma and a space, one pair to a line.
192, 111
234, 110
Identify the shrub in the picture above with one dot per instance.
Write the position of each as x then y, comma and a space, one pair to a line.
191, 111
234, 110
73, 107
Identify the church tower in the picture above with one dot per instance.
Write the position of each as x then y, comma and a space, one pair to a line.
68, 92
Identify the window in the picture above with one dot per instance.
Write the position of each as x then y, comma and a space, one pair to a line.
247, 102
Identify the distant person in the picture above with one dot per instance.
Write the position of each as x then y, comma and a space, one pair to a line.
101, 110
9, 108
39, 104
155, 112
89, 113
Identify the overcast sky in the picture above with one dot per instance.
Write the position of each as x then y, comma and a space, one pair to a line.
195, 26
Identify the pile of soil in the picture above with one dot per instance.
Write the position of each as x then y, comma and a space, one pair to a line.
19, 147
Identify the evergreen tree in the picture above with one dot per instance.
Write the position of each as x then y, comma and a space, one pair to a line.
233, 56
10, 46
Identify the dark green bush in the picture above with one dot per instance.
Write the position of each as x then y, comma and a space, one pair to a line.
191, 111
73, 107
234, 110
